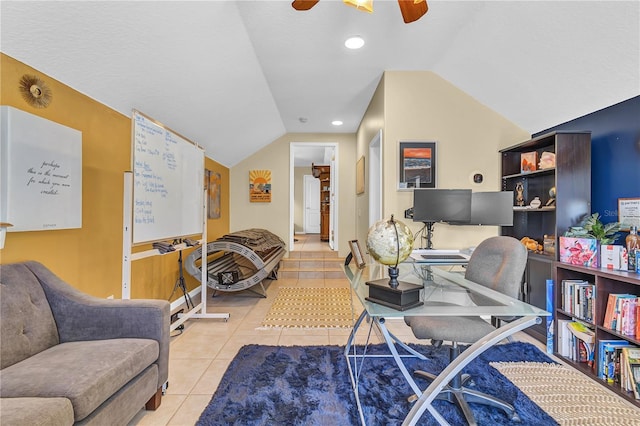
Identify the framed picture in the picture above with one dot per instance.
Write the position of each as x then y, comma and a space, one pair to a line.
356, 253
360, 176
260, 186
417, 165
214, 183
629, 212
528, 162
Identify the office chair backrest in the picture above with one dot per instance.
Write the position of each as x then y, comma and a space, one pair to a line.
498, 263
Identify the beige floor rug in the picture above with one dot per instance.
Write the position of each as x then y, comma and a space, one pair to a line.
311, 308
567, 395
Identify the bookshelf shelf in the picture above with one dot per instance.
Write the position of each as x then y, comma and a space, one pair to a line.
577, 318
606, 282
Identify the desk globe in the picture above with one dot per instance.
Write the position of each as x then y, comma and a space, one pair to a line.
390, 242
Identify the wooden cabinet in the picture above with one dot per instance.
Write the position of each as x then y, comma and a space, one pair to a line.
606, 282
324, 174
571, 179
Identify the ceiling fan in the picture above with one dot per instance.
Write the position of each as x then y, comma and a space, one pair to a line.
412, 10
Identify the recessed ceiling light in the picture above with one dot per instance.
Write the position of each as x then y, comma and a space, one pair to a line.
336, 123
355, 42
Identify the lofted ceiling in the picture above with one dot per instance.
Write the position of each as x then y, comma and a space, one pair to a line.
235, 75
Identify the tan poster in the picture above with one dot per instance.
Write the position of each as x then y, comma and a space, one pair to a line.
214, 183
260, 186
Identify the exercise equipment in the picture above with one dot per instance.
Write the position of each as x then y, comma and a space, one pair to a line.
239, 260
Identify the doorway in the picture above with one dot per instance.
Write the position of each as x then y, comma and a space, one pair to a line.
301, 156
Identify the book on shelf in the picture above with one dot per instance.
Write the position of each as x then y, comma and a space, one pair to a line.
627, 323
575, 341
608, 366
578, 296
564, 338
549, 319
583, 339
630, 370
582, 332
612, 315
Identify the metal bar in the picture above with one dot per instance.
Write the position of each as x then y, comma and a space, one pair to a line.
429, 395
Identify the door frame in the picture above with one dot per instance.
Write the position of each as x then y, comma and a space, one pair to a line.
375, 178
334, 187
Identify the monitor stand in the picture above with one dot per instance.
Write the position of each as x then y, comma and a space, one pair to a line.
429, 226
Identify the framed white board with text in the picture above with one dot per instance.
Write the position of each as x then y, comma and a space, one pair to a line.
40, 173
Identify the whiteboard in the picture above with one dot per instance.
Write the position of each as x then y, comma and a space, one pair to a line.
168, 182
40, 173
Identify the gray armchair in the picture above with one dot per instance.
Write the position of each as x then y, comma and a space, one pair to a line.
497, 263
70, 358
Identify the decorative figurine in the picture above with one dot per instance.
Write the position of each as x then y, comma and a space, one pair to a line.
552, 197
535, 203
519, 194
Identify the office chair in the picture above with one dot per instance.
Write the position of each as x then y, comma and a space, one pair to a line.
497, 263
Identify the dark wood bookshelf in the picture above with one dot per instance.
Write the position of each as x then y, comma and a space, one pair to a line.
571, 177
606, 281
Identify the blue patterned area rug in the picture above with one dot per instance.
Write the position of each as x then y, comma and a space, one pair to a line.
309, 385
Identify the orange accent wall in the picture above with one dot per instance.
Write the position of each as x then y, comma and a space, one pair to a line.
90, 258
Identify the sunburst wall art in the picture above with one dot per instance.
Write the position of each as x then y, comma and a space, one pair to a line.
35, 91
260, 186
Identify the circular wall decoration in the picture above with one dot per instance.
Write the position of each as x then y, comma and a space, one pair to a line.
35, 91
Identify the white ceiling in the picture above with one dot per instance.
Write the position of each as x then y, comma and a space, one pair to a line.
235, 75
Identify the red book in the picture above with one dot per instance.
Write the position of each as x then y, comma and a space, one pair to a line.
637, 321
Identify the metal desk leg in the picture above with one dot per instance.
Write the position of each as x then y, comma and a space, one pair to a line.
424, 402
394, 352
354, 372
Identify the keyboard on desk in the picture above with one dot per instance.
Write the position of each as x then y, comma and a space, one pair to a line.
443, 257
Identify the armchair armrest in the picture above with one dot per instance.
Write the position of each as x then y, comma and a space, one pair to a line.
80, 316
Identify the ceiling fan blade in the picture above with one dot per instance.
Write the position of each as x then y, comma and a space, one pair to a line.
412, 11
304, 4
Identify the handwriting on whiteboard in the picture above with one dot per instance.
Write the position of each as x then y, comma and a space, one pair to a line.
49, 178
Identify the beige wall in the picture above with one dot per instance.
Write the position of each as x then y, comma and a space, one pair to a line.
421, 106
274, 216
90, 258
372, 122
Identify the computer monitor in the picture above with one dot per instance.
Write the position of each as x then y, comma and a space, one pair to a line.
490, 208
442, 205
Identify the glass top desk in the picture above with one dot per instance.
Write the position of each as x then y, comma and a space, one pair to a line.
445, 293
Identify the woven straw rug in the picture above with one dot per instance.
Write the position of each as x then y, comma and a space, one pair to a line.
567, 395
311, 308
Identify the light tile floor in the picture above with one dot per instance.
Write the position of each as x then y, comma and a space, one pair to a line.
200, 355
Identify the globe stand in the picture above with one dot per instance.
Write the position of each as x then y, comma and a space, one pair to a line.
398, 295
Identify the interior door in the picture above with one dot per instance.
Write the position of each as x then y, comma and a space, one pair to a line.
311, 205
